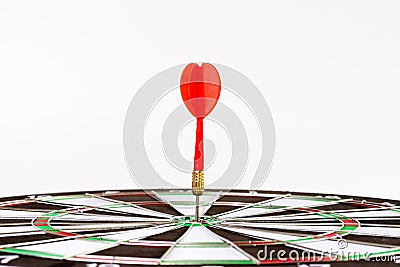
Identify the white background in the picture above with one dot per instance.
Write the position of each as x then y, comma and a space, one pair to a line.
330, 71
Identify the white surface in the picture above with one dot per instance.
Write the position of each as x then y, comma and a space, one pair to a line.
329, 71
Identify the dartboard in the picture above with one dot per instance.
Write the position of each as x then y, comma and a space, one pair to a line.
157, 227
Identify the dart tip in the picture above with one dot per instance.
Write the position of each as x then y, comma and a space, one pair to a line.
197, 219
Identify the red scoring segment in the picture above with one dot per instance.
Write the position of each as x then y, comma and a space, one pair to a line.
200, 89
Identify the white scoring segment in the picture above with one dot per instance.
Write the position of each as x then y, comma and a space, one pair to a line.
19, 214
285, 226
17, 229
139, 211
103, 226
80, 200
91, 201
200, 235
184, 202
376, 214
272, 217
269, 236
204, 254
194, 245
378, 231
277, 205
68, 248
139, 233
94, 217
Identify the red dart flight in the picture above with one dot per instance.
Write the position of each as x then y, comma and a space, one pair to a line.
200, 89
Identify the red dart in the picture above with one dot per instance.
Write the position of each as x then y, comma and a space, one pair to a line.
200, 89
